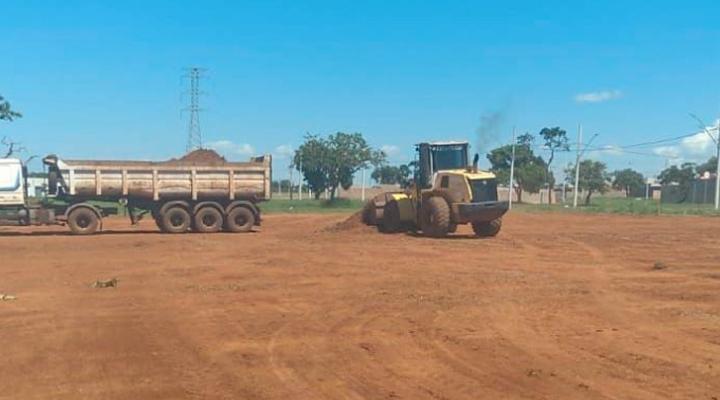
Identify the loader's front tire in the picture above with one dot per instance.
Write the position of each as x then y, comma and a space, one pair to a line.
435, 217
391, 218
487, 229
368, 212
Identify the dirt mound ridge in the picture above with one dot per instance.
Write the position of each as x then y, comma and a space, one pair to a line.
351, 223
203, 156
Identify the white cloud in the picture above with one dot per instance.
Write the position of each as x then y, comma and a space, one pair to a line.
230, 147
598, 97
668, 151
697, 147
611, 150
390, 150
283, 151
698, 143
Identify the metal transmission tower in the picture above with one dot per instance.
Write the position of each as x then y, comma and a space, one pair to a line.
194, 140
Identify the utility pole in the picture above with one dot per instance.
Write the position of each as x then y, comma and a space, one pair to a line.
577, 167
577, 163
300, 181
716, 140
717, 167
512, 171
194, 139
290, 191
362, 191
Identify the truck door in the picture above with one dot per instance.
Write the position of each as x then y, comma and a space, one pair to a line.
12, 192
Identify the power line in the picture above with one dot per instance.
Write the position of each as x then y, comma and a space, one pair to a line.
654, 142
622, 150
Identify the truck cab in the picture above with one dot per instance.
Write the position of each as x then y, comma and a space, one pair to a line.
12, 182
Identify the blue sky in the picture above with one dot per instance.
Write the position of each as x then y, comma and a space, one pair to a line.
103, 79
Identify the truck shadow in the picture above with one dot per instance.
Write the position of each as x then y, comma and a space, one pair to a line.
58, 233
108, 233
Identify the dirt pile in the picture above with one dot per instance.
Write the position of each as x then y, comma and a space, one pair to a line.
352, 223
203, 156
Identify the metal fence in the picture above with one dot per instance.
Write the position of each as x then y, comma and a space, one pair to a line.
700, 191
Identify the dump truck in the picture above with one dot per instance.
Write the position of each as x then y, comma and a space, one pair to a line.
446, 191
181, 196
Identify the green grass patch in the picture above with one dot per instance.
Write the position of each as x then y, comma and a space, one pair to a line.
275, 206
614, 205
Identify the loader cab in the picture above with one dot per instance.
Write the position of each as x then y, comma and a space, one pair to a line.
12, 182
439, 156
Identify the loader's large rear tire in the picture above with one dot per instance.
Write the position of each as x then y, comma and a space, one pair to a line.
435, 217
83, 221
391, 218
487, 229
175, 220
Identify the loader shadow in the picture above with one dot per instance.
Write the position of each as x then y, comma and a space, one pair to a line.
451, 236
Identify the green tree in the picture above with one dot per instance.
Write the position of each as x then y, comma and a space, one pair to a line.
554, 139
628, 180
329, 163
681, 176
708, 166
8, 114
593, 177
392, 175
529, 169
386, 175
6, 111
311, 159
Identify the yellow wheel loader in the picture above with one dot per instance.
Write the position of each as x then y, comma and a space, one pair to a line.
446, 192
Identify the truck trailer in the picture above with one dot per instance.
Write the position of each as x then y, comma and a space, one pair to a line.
179, 195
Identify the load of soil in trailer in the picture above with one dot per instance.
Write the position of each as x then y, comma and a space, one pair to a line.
202, 156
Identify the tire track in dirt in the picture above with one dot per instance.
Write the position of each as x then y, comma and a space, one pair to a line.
529, 314
287, 377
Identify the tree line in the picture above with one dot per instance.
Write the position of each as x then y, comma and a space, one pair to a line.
328, 163
532, 172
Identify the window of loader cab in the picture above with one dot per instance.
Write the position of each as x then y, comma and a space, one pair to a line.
449, 157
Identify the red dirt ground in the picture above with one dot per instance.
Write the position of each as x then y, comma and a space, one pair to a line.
556, 307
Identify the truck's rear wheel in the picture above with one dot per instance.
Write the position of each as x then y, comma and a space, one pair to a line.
208, 220
83, 221
487, 229
175, 220
240, 219
435, 217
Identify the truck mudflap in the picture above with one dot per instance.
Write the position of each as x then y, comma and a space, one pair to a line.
481, 212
